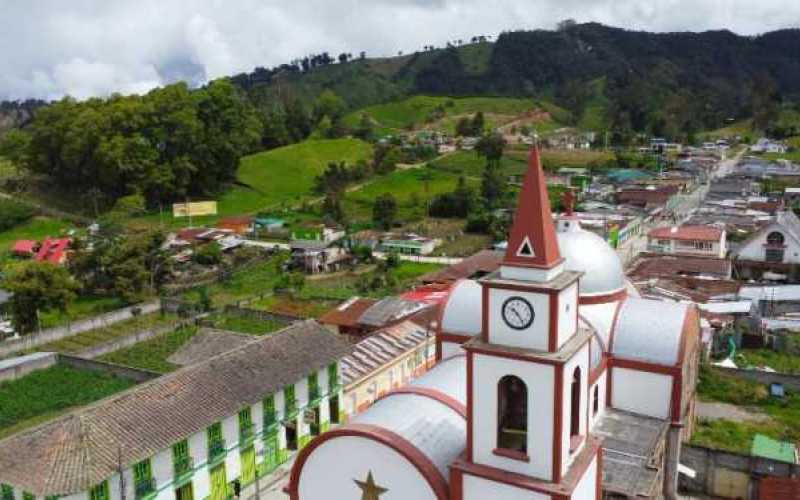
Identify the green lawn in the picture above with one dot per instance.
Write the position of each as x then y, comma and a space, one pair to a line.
793, 156
152, 354
286, 175
741, 128
98, 336
399, 115
738, 436
469, 164
342, 286
779, 361
45, 393
36, 228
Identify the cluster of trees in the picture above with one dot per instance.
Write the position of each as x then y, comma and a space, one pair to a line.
457, 204
471, 127
37, 286
13, 213
165, 145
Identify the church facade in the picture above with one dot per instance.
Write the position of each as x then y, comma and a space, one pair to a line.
554, 381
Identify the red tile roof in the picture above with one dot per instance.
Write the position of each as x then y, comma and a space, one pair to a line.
703, 233
347, 314
669, 266
25, 247
482, 263
53, 250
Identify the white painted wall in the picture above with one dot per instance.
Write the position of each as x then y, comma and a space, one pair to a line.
601, 384
478, 488
539, 379
754, 249
331, 470
587, 485
579, 360
567, 313
450, 349
535, 337
641, 392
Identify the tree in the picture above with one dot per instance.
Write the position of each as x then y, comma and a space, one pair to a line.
491, 147
208, 255
384, 211
37, 286
365, 130
478, 124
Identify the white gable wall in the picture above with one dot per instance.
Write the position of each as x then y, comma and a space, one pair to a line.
587, 487
579, 360
754, 248
535, 337
641, 392
567, 313
478, 488
600, 384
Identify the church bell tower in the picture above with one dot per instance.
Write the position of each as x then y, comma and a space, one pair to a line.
527, 390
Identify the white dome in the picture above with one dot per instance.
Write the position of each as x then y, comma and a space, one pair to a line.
588, 253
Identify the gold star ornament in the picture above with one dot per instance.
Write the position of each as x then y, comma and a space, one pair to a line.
370, 490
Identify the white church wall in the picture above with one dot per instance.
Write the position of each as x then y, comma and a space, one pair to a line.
478, 488
198, 450
450, 349
579, 360
162, 469
641, 392
587, 486
755, 248
332, 468
567, 313
539, 379
535, 337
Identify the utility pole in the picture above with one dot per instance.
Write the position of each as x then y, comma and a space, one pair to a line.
121, 473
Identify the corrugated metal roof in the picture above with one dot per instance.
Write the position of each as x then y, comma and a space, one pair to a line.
388, 310
650, 331
781, 293
764, 446
740, 307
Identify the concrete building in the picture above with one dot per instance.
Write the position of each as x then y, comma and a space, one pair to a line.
775, 243
708, 241
190, 434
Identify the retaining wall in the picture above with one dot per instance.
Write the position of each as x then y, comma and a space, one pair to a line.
134, 338
135, 374
790, 382
15, 368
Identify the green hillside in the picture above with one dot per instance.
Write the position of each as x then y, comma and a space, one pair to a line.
440, 112
286, 175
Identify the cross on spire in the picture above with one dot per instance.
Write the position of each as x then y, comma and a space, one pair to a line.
532, 241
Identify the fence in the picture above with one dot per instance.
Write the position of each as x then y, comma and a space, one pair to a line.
729, 475
31, 341
135, 374
789, 381
257, 315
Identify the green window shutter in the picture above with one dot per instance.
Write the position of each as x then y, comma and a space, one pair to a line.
313, 386
219, 483
215, 432
288, 396
216, 445
246, 429
333, 376
99, 492
7, 492
248, 459
269, 410
181, 460
142, 471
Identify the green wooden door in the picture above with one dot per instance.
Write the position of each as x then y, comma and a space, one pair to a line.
185, 492
219, 482
271, 451
248, 465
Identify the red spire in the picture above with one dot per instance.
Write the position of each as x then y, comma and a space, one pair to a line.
533, 242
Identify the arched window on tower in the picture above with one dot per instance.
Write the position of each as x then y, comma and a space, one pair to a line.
512, 419
575, 407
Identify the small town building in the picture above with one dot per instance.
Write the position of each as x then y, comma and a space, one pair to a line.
53, 250
473, 267
708, 241
343, 319
270, 224
241, 224
410, 244
775, 247
25, 248
190, 434
646, 197
318, 256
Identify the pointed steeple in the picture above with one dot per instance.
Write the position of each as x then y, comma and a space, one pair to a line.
532, 242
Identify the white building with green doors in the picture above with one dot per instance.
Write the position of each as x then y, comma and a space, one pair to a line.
190, 434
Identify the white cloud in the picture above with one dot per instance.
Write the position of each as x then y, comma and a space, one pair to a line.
49, 48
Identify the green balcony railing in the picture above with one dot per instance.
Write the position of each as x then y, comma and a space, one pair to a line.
270, 419
247, 432
182, 466
291, 407
216, 450
144, 487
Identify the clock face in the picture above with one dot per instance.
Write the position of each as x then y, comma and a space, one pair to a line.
518, 313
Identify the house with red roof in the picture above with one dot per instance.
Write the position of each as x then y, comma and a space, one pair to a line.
25, 248
53, 250
703, 241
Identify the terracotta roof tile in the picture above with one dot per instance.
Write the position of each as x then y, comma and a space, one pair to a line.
704, 233
347, 314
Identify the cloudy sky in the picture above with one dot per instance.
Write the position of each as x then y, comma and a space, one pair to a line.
49, 48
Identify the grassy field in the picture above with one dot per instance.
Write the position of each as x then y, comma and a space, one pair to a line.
412, 189
152, 354
779, 361
793, 156
98, 336
401, 115
741, 128
553, 159
249, 326
738, 436
36, 228
286, 175
469, 164
82, 307
246, 282
44, 394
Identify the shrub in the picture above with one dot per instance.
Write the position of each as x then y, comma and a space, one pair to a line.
13, 213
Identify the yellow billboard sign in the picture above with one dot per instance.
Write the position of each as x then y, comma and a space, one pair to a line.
194, 209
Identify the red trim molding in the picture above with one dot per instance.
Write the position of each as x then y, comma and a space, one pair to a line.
426, 468
470, 404
511, 454
644, 366
561, 489
552, 340
519, 355
455, 337
427, 392
558, 425
605, 298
